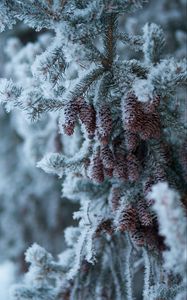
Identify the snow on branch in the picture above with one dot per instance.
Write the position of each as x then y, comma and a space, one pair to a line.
9, 94
172, 225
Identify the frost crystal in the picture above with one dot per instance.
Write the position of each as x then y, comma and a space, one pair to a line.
108, 103
143, 90
173, 225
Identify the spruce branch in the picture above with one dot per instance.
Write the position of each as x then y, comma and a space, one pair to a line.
110, 39
114, 151
84, 84
135, 42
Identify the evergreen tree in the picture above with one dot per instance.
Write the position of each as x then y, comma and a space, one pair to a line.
119, 95
27, 213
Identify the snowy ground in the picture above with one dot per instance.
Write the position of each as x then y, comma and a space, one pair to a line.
6, 279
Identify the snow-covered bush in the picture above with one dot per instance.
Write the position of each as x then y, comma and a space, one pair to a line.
108, 104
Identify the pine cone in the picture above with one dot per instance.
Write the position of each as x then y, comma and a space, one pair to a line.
138, 237
159, 174
151, 127
128, 219
70, 114
132, 114
108, 172
131, 140
88, 118
114, 198
150, 107
132, 167
104, 123
144, 215
120, 168
148, 185
105, 225
95, 170
107, 157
